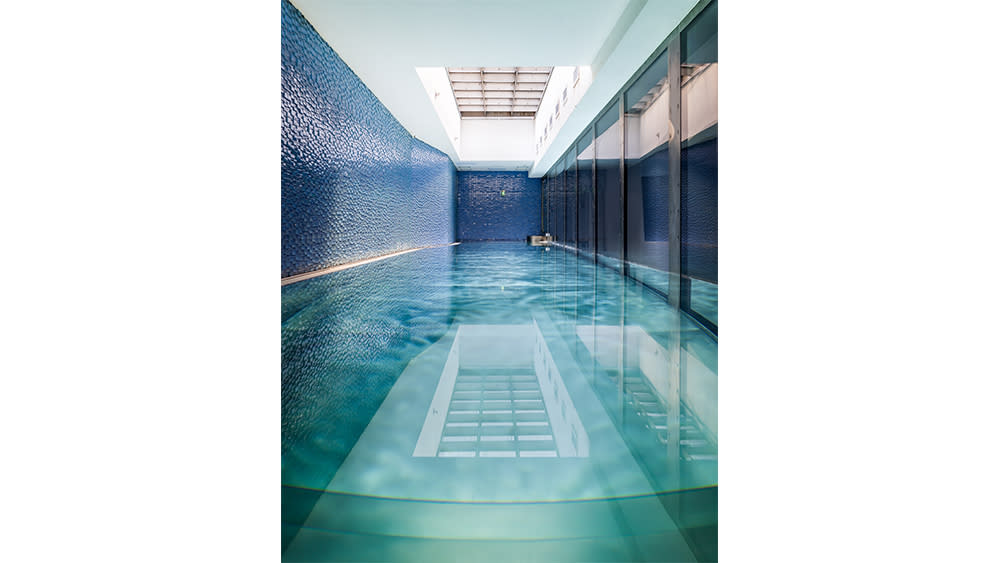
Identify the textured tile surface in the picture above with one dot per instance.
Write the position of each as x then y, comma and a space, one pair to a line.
609, 208
654, 182
354, 182
700, 210
648, 211
484, 213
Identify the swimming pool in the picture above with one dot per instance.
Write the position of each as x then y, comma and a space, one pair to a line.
495, 401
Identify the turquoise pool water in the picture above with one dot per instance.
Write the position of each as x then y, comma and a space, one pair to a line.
495, 401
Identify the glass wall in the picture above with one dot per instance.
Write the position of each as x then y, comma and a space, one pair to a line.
700, 166
558, 203
648, 129
644, 192
570, 196
642, 200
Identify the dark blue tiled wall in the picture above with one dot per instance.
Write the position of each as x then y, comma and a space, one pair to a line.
699, 210
654, 182
354, 182
570, 191
585, 200
485, 214
557, 228
648, 198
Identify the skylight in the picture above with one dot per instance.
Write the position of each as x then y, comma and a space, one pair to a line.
499, 91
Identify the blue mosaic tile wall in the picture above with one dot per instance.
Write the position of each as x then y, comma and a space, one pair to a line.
354, 182
498, 206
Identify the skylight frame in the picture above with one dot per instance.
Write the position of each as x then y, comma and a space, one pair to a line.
513, 92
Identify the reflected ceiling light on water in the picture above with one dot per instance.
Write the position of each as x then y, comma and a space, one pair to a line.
500, 395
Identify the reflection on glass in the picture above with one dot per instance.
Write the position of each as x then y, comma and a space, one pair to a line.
699, 165
544, 182
608, 188
570, 195
652, 382
648, 130
557, 204
585, 180
546, 203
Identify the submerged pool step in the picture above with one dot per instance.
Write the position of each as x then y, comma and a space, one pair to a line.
356, 528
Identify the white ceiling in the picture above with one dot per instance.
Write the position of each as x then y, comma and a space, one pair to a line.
383, 41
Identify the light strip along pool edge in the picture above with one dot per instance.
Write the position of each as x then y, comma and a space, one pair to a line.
309, 275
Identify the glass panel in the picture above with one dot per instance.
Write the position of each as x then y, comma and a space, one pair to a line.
545, 203
647, 127
549, 186
700, 39
558, 204
609, 202
585, 200
570, 185
699, 164
670, 416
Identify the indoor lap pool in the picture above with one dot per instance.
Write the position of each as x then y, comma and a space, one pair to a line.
499, 295
495, 401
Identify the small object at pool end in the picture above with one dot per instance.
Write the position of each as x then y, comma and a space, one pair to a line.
540, 240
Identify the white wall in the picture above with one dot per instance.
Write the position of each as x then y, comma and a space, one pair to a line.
560, 79
650, 130
653, 126
496, 140
438, 87
705, 89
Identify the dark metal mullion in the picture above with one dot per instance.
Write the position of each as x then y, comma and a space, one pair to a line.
676, 379
674, 171
593, 182
621, 247
576, 191
713, 328
622, 195
541, 210
482, 87
565, 204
